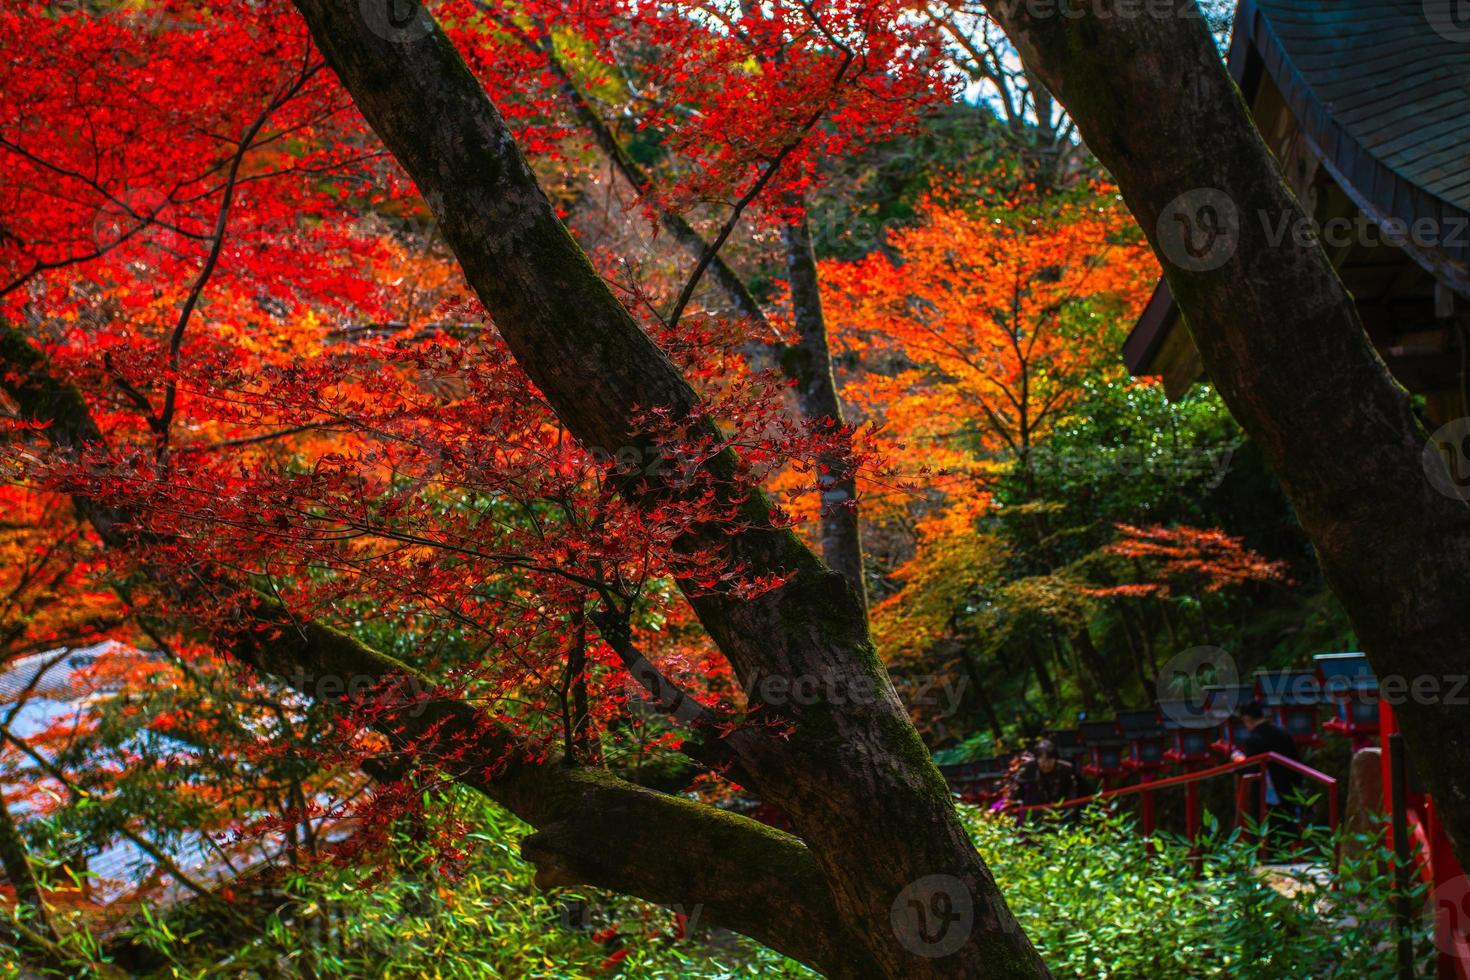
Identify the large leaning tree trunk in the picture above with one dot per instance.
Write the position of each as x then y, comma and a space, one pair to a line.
1282, 341
849, 770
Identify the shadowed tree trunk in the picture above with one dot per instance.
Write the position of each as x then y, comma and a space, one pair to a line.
809, 363
1036, 659
1283, 343
1092, 659
982, 696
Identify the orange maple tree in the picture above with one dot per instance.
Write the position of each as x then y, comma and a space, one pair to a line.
977, 326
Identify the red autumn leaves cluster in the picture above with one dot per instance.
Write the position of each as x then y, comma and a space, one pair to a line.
1169, 557
296, 393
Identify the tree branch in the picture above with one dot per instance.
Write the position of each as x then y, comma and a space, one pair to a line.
849, 769
594, 827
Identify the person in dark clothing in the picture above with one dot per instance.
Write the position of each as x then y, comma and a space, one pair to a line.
1267, 736
1047, 778
1283, 814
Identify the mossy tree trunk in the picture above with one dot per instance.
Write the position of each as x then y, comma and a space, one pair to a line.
1283, 343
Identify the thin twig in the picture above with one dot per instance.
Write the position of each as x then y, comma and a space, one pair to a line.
221, 222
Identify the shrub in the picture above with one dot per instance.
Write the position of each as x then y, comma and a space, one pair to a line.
1092, 898
1097, 904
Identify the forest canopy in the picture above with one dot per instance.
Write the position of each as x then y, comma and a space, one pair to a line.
532, 488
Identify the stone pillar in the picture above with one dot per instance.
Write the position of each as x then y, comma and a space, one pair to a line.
1364, 811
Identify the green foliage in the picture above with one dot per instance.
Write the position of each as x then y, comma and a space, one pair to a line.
1127, 452
1090, 898
414, 914
1124, 456
977, 745
1096, 905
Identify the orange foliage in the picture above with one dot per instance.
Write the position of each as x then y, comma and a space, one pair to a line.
1171, 555
977, 326
49, 595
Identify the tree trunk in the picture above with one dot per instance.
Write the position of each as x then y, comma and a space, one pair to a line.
1283, 343
721, 274
1145, 629
1092, 659
853, 775
1136, 648
809, 363
977, 678
887, 882
1037, 659
1060, 653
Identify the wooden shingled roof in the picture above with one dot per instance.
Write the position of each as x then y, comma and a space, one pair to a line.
1372, 71
1380, 89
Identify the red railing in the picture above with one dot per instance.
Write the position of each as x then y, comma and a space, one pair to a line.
1253, 767
1426, 844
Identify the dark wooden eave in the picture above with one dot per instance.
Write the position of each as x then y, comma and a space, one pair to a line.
1382, 101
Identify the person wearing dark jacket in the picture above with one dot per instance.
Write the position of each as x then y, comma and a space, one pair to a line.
1282, 783
1047, 778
